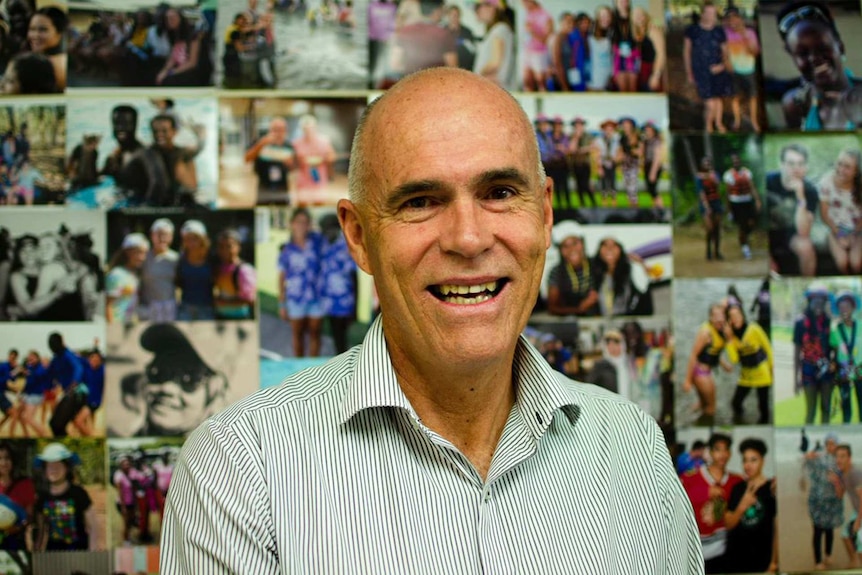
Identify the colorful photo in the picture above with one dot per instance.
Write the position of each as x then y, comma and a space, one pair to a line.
33, 54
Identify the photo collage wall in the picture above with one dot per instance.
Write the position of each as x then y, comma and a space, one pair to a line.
169, 243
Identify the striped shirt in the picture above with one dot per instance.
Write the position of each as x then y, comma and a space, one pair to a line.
333, 472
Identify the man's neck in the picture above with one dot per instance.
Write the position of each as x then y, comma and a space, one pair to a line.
716, 472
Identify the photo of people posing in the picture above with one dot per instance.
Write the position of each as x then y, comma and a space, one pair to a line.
607, 164
53, 381
815, 325
285, 152
730, 477
31, 162
50, 265
140, 473
289, 44
591, 46
810, 52
714, 67
33, 55
719, 206
814, 198
166, 266
724, 352
162, 46
166, 378
138, 152
608, 271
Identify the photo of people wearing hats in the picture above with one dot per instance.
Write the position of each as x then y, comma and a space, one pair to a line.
719, 206
814, 197
32, 168
50, 265
714, 67
819, 478
168, 266
295, 152
591, 46
817, 350
723, 353
607, 157
166, 378
811, 49
53, 380
139, 152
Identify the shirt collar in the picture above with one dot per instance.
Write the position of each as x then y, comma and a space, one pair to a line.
541, 390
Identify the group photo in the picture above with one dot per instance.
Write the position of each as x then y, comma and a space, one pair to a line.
32, 162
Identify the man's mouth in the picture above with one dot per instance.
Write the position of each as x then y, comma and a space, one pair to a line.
467, 294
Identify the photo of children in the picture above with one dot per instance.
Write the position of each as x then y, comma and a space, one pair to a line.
810, 49
713, 67
138, 152
817, 353
726, 354
719, 204
33, 153
161, 46
814, 198
595, 46
285, 152
167, 266
53, 381
33, 54
291, 45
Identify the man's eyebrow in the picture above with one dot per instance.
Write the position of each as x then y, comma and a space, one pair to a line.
512, 175
409, 189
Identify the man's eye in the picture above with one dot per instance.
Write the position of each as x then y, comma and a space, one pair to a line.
417, 203
501, 193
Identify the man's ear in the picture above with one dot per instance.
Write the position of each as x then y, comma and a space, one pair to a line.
548, 209
354, 233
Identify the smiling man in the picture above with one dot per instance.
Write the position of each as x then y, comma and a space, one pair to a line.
444, 443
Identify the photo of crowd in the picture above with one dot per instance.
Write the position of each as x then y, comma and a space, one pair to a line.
33, 50
50, 268
727, 352
818, 356
285, 152
53, 381
32, 160
138, 152
713, 67
814, 197
719, 205
292, 44
810, 50
164, 46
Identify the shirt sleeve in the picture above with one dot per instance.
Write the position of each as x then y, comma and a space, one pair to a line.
217, 519
247, 280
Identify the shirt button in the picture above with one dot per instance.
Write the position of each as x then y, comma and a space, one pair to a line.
486, 495
414, 423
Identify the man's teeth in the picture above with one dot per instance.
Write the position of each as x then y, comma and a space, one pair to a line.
447, 290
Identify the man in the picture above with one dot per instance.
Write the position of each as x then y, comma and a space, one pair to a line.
608, 151
851, 485
744, 201
846, 341
709, 487
792, 202
273, 158
124, 122
445, 430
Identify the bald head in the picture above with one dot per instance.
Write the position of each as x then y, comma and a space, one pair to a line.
416, 103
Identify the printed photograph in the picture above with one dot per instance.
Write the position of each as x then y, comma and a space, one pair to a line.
51, 265
166, 378
139, 152
53, 379
33, 52
724, 358
32, 155
719, 206
714, 69
293, 44
606, 154
810, 50
814, 198
167, 266
729, 475
277, 151
119, 43
818, 370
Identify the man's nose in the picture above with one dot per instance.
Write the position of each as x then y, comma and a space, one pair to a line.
468, 228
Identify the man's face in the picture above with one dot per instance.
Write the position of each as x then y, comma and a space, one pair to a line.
456, 222
720, 454
752, 462
842, 459
161, 239
163, 133
13, 357
278, 130
124, 127
846, 309
177, 404
794, 165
